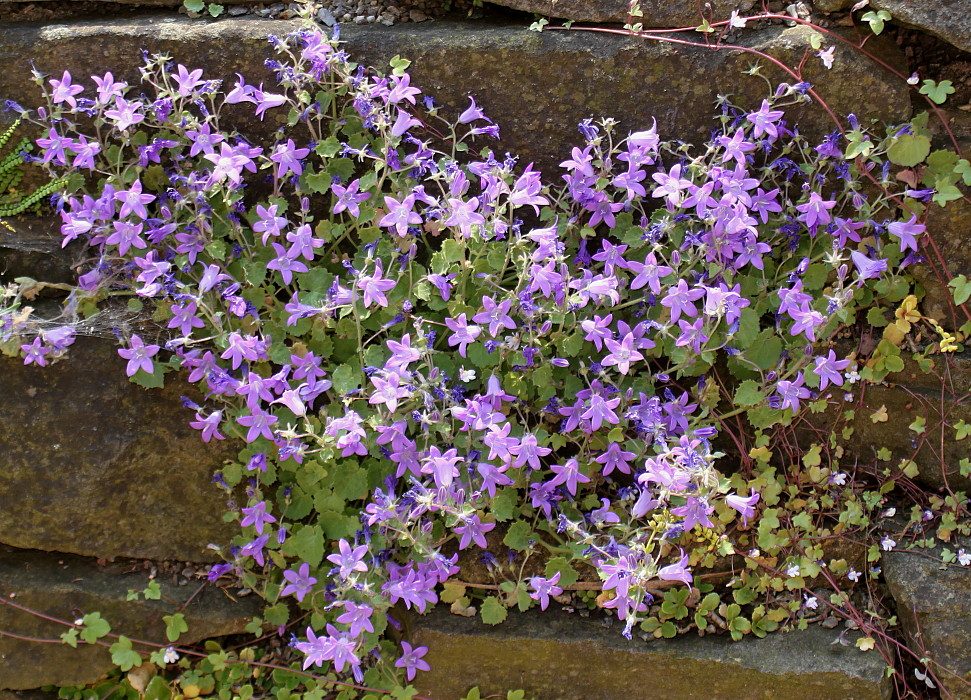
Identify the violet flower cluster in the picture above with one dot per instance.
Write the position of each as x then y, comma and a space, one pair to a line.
417, 347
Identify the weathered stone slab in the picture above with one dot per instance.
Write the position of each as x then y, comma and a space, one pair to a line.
656, 13
936, 452
950, 21
949, 228
508, 68
68, 587
556, 656
833, 5
934, 605
33, 249
95, 465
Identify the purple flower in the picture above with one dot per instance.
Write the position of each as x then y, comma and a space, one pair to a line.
496, 315
348, 198
287, 157
868, 268
411, 660
441, 466
543, 588
472, 113
676, 572
621, 354
187, 81
349, 560
357, 616
462, 332
374, 286
829, 370
792, 392
257, 517
569, 474
680, 300
255, 549
139, 356
615, 458
35, 352
285, 264
64, 90
208, 425
815, 212
125, 114
299, 583
258, 423
265, 100
745, 506
764, 121
473, 530
907, 233
400, 215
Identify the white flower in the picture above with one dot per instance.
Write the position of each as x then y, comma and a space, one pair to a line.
79, 622
852, 376
736, 21
171, 655
853, 575
964, 558
466, 375
827, 56
913, 79
839, 478
889, 513
811, 602
792, 571
887, 544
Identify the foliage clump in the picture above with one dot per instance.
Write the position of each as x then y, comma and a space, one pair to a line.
426, 350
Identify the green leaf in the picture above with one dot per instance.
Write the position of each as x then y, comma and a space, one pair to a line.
95, 627
157, 689
123, 656
766, 350
175, 625
70, 638
504, 504
215, 10
561, 566
876, 20
307, 544
346, 378
518, 536
155, 380
937, 92
749, 393
194, 5
909, 150
960, 287
493, 611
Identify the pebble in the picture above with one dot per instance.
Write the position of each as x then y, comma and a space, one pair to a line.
326, 16
238, 10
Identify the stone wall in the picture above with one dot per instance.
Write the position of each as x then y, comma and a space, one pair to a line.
96, 469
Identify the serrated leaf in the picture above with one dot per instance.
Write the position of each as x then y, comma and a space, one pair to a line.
493, 611
749, 393
307, 544
561, 566
518, 536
